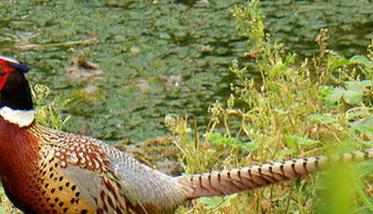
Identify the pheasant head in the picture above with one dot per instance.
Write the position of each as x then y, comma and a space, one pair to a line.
16, 104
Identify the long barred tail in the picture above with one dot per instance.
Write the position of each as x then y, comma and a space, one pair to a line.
237, 180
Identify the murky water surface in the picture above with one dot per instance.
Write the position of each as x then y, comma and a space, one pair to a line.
156, 58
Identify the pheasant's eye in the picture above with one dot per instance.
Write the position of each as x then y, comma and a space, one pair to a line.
2, 73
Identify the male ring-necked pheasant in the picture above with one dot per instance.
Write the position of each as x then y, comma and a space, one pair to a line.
48, 171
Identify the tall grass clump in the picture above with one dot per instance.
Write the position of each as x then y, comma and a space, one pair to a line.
295, 108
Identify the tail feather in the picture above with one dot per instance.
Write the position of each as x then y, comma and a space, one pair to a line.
227, 182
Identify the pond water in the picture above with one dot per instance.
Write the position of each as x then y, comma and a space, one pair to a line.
156, 57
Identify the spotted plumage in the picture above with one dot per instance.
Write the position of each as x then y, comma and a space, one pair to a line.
49, 171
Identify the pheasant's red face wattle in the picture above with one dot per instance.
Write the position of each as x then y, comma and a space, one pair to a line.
5, 70
3, 79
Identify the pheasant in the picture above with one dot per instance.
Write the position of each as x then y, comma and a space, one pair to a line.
49, 171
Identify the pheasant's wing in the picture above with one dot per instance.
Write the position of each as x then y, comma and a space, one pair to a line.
106, 175
77, 169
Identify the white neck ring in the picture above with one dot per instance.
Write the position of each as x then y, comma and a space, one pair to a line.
22, 118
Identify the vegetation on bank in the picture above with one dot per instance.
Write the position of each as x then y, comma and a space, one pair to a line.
295, 108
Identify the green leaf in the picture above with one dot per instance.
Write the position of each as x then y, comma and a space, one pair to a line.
325, 90
322, 118
219, 139
358, 59
359, 84
336, 61
363, 126
211, 202
303, 141
353, 96
2, 211
335, 95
